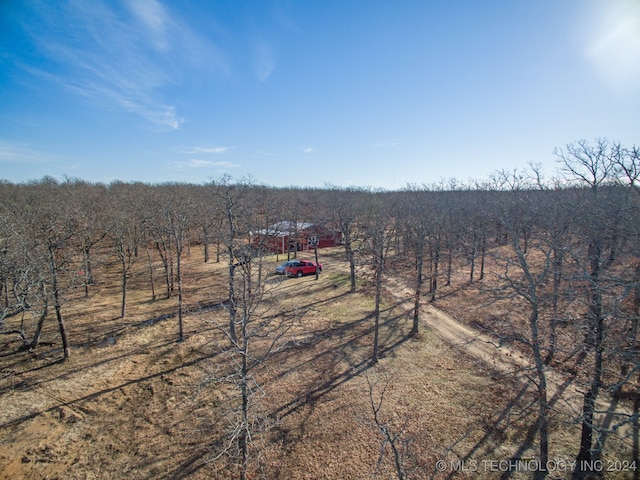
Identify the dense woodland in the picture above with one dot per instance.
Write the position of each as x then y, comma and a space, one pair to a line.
568, 247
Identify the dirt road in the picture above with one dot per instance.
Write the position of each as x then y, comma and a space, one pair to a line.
564, 394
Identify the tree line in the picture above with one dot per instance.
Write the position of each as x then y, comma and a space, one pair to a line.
565, 249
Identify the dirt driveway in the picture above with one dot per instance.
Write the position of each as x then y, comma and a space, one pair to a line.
564, 394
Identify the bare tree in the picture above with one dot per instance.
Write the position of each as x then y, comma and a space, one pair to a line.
91, 200
378, 226
255, 337
473, 215
23, 277
627, 163
394, 436
125, 235
525, 274
344, 208
558, 225
175, 214
56, 225
593, 167
230, 200
163, 245
415, 223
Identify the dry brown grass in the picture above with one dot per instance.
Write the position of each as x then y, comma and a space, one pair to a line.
131, 403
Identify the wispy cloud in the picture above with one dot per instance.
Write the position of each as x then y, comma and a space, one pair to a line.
307, 150
117, 58
262, 154
198, 163
264, 60
153, 18
203, 163
204, 150
20, 153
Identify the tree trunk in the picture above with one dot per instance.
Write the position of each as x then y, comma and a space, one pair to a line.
180, 301
232, 299
348, 249
352, 274
376, 328
205, 240
417, 294
449, 267
88, 274
243, 440
632, 335
36, 336
543, 404
557, 263
171, 275
61, 326
636, 290
57, 304
232, 294
473, 264
123, 305
317, 269
434, 277
151, 276
483, 254
162, 250
596, 338
379, 265
352, 263
536, 347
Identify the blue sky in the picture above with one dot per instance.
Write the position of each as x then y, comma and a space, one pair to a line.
374, 93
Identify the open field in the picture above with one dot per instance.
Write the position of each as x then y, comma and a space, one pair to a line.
132, 402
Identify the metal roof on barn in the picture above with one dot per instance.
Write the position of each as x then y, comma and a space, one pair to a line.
284, 228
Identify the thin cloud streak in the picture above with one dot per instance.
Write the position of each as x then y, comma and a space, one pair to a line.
153, 17
198, 163
19, 153
204, 150
112, 64
264, 60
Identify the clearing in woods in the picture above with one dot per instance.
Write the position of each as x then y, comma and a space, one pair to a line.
132, 402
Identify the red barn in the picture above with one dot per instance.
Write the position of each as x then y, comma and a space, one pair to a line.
301, 236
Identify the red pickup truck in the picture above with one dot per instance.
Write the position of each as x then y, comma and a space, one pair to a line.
302, 267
